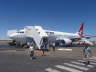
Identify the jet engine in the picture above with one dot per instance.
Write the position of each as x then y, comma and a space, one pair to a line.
67, 41
61, 42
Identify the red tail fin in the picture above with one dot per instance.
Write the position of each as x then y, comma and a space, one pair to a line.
80, 31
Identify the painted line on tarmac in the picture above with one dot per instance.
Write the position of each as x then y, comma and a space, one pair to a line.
67, 68
51, 70
90, 62
79, 63
93, 58
76, 66
63, 49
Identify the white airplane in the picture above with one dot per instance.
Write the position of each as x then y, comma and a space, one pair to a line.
37, 33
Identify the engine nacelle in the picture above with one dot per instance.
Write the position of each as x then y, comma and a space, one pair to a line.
67, 41
64, 41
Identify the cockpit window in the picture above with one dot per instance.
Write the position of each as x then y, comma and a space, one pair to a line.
50, 33
21, 32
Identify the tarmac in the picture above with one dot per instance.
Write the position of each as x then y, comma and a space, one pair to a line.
64, 59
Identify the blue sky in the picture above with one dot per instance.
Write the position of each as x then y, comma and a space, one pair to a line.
60, 15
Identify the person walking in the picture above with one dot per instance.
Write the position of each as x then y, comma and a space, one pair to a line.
44, 44
31, 49
53, 46
87, 52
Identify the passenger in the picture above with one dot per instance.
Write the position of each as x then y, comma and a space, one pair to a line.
44, 45
31, 48
43, 50
53, 46
87, 52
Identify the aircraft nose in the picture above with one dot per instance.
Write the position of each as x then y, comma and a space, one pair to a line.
12, 35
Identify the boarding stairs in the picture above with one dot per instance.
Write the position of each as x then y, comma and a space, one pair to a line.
36, 33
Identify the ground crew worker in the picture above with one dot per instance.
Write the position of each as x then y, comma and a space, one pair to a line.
87, 52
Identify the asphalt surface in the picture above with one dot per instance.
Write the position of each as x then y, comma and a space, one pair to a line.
18, 60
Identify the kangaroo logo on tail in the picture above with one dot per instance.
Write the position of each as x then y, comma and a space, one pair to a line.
80, 31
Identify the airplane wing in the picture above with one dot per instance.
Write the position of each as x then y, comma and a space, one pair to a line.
89, 36
87, 41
